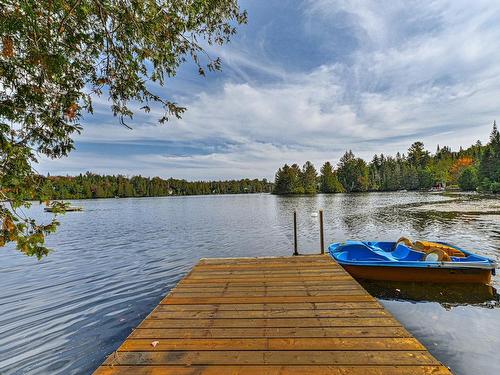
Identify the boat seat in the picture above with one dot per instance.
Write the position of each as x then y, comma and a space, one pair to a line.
436, 255
403, 252
441, 251
427, 247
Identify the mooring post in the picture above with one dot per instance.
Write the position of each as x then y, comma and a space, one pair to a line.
321, 234
295, 246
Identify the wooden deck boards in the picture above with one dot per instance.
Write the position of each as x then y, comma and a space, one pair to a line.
289, 315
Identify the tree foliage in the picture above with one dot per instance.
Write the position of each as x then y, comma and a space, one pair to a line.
289, 180
353, 173
489, 167
417, 155
309, 178
57, 55
293, 180
329, 182
90, 185
475, 167
468, 179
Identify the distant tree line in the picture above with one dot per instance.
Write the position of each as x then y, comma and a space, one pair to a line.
475, 168
90, 185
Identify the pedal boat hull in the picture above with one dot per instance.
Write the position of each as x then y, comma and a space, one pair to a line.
377, 261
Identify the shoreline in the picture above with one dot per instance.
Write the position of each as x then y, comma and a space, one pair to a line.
455, 195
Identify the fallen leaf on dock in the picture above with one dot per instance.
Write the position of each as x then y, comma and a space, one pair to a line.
154, 343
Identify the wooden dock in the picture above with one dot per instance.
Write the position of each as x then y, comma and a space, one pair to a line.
287, 315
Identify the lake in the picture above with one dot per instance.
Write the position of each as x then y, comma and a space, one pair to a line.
113, 262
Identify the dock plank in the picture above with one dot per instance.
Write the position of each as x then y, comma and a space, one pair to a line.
351, 313
286, 332
272, 370
276, 322
357, 297
288, 315
272, 357
324, 343
271, 306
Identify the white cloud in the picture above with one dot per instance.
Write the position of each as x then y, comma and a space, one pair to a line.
418, 72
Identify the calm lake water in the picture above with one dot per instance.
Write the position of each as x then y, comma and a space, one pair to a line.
113, 262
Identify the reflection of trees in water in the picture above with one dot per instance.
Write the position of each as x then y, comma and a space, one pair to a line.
284, 215
448, 295
424, 221
363, 215
308, 226
354, 225
355, 213
378, 216
345, 216
421, 223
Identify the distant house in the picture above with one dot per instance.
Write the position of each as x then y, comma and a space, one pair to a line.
439, 186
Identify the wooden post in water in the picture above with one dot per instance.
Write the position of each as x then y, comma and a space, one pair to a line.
321, 234
295, 245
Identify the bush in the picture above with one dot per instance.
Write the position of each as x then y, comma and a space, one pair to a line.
488, 186
468, 179
425, 179
484, 185
495, 187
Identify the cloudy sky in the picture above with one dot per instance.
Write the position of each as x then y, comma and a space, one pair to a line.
307, 80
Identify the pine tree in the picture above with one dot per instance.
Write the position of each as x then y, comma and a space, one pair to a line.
468, 179
288, 180
281, 183
329, 181
296, 181
489, 167
309, 178
353, 173
418, 156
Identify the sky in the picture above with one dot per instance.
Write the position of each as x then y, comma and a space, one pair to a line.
308, 80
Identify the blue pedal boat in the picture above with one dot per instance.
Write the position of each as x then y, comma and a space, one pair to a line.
395, 261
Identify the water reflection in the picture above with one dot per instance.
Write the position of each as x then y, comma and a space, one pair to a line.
114, 261
448, 295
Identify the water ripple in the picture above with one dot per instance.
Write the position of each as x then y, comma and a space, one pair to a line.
114, 262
